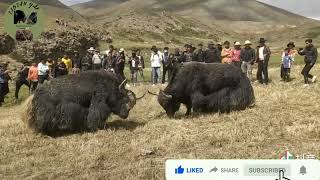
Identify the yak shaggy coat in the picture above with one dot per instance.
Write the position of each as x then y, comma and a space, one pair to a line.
76, 103
207, 88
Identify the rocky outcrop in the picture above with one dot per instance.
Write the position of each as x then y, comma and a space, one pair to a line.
55, 43
7, 44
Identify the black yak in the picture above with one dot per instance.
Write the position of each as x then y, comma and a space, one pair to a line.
207, 88
19, 17
33, 18
75, 103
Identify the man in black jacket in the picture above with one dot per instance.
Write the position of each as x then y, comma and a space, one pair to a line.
166, 65
200, 54
310, 54
212, 55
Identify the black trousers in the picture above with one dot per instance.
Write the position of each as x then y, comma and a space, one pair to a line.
1, 93
284, 72
19, 84
42, 78
306, 72
33, 86
164, 73
262, 73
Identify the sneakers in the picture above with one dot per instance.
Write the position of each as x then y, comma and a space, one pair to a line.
153, 85
305, 85
314, 79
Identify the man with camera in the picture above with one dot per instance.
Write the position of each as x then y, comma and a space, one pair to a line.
310, 54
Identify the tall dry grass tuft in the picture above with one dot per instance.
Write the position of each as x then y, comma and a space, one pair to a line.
26, 110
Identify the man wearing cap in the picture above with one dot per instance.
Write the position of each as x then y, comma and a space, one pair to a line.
310, 54
155, 60
200, 54
87, 60
262, 58
166, 65
236, 53
247, 57
212, 55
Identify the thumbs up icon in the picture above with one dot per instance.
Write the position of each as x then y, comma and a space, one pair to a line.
281, 176
179, 170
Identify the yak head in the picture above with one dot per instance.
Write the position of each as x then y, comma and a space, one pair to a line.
125, 103
168, 103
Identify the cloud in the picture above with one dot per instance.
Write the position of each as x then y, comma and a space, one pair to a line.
72, 2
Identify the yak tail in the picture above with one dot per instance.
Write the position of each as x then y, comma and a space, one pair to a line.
27, 108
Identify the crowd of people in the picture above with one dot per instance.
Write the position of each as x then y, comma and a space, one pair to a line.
162, 63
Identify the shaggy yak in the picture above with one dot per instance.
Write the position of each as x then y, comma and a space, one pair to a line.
207, 88
75, 103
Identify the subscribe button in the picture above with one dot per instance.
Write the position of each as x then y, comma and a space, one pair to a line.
243, 169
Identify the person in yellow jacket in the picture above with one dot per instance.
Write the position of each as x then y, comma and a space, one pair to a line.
68, 62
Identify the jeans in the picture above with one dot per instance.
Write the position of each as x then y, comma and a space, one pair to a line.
262, 73
134, 76
155, 75
246, 68
33, 86
305, 72
140, 71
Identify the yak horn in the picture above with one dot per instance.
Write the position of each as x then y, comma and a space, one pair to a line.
153, 93
138, 98
166, 95
123, 82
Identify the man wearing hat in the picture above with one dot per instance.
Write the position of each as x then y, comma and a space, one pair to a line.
120, 64
310, 54
155, 59
262, 58
291, 52
212, 55
236, 53
200, 54
86, 61
247, 58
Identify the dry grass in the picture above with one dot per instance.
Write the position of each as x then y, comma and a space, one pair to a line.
286, 117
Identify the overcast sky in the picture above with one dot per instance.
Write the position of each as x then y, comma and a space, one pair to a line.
307, 8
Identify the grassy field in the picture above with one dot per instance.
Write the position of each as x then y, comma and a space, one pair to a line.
286, 117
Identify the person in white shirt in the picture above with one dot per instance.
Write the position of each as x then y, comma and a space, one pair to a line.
262, 58
43, 71
155, 59
96, 61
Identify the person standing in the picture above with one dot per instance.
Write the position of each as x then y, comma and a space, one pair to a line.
77, 60
43, 71
141, 64
247, 57
134, 67
22, 78
187, 55
236, 53
87, 60
68, 62
290, 51
60, 69
287, 61
177, 56
212, 55
33, 77
155, 64
96, 61
200, 54
120, 64
4, 75
166, 65
75, 69
262, 58
226, 53
310, 54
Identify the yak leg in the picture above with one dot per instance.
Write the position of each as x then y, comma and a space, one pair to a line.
198, 102
189, 107
98, 113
